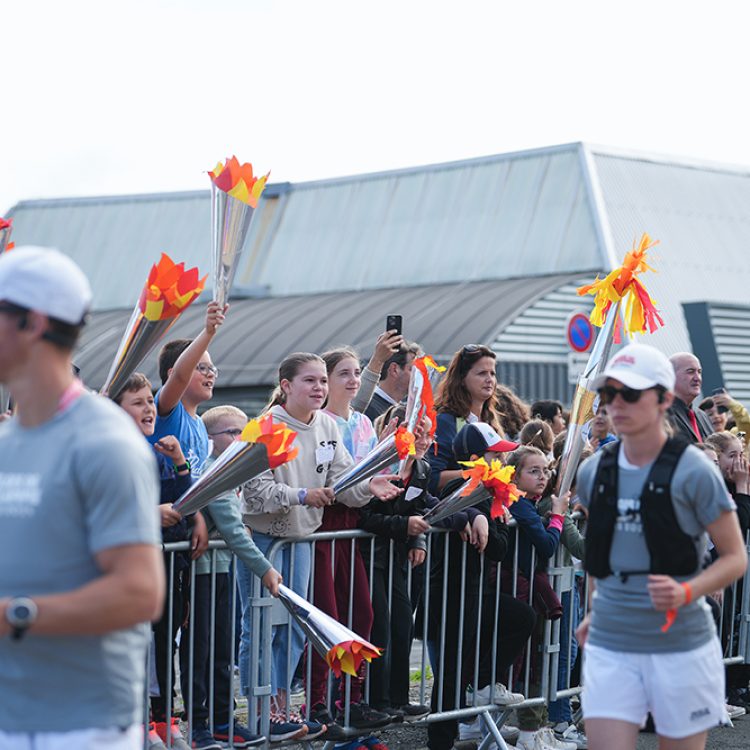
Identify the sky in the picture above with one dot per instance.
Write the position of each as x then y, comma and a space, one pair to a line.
105, 98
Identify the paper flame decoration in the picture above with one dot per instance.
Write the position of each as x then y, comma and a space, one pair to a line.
169, 289
238, 180
404, 443
6, 227
235, 192
168, 292
619, 286
420, 401
641, 315
262, 445
276, 436
342, 648
496, 478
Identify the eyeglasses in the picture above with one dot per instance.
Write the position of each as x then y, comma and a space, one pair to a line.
609, 393
539, 473
205, 369
234, 432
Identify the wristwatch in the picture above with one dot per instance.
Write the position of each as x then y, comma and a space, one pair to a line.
21, 614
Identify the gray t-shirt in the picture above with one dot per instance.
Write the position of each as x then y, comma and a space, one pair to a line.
83, 482
623, 618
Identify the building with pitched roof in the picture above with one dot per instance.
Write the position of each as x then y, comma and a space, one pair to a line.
483, 250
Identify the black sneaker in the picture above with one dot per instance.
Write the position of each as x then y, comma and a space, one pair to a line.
396, 714
362, 716
282, 730
243, 737
202, 739
414, 711
321, 715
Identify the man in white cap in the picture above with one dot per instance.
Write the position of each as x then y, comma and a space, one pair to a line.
79, 564
651, 643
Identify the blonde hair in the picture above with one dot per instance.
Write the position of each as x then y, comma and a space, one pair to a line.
722, 441
213, 416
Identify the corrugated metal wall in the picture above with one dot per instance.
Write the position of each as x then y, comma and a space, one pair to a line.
539, 333
730, 325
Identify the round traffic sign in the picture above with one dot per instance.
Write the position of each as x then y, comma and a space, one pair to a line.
580, 332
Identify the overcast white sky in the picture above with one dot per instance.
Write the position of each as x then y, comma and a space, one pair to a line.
101, 98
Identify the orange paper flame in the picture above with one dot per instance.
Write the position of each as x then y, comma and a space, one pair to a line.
404, 443
348, 656
428, 398
169, 290
496, 478
641, 314
237, 180
276, 436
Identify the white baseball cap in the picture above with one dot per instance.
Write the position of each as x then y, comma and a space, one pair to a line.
638, 366
45, 280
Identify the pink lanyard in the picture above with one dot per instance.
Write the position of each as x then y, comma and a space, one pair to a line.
71, 393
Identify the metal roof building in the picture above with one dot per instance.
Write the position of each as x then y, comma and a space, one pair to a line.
486, 249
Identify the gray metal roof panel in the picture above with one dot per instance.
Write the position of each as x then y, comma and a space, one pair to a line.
491, 218
701, 217
260, 332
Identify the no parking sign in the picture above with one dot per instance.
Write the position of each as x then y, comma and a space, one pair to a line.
580, 332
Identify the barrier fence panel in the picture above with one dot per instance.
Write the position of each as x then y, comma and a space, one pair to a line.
463, 610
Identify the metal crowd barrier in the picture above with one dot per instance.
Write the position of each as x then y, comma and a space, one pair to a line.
541, 678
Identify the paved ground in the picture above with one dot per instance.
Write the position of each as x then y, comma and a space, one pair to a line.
730, 738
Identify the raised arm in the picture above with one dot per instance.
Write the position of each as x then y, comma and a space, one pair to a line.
182, 372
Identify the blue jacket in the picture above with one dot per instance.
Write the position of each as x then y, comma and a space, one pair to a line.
531, 533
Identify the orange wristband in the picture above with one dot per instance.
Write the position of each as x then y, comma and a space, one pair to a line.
688, 592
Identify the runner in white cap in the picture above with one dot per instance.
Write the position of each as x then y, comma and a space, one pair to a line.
650, 640
79, 564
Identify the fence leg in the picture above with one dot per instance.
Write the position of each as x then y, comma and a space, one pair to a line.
494, 732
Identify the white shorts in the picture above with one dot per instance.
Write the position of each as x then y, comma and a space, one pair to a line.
683, 690
81, 739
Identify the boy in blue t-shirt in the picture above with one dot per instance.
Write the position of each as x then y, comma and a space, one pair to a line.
188, 377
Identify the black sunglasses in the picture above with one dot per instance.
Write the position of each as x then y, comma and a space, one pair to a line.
471, 350
608, 393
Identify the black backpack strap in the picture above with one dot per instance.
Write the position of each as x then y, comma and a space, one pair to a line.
602, 513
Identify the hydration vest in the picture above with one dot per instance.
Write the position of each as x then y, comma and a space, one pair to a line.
672, 551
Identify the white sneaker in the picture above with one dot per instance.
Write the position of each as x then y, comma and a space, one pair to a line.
735, 711
570, 733
544, 739
476, 731
500, 695
470, 731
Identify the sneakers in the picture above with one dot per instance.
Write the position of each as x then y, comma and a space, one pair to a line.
314, 728
173, 729
475, 731
282, 730
499, 694
414, 711
735, 711
396, 714
543, 739
334, 732
242, 737
739, 697
203, 739
570, 733
363, 716
153, 741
